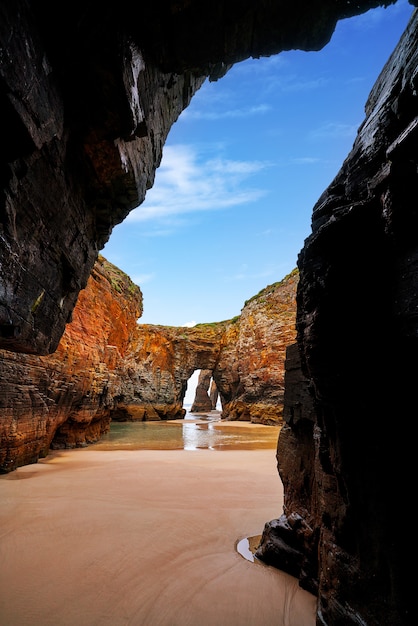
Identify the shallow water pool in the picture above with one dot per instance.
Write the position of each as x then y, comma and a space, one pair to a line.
195, 432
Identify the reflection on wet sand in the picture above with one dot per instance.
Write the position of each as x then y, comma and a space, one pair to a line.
198, 431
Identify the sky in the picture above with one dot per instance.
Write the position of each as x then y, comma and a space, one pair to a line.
242, 169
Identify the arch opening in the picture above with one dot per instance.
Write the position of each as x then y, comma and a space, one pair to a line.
202, 394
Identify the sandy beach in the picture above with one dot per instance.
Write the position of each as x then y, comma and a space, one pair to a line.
143, 538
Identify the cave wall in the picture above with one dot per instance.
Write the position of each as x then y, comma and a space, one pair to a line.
346, 454
88, 93
85, 119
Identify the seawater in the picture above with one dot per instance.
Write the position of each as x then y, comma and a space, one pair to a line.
194, 432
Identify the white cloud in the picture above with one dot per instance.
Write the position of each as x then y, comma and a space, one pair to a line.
295, 83
186, 184
305, 160
334, 130
189, 324
222, 114
141, 279
245, 275
372, 18
157, 232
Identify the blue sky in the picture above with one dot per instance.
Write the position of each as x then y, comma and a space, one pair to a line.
242, 169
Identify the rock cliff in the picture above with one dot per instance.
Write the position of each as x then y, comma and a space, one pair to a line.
255, 353
245, 356
109, 367
346, 453
65, 399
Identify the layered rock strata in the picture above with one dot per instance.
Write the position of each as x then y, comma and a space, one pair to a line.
245, 356
65, 399
109, 367
160, 362
254, 355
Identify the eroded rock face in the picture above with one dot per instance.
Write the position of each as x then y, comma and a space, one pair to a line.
160, 362
245, 356
213, 394
254, 355
85, 118
109, 367
65, 399
345, 456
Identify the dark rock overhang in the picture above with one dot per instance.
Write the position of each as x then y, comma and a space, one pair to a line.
88, 93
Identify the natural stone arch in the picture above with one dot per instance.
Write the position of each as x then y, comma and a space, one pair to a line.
163, 359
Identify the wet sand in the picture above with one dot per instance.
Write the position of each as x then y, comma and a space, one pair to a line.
143, 538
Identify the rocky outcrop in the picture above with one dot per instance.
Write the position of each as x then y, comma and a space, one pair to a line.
109, 367
161, 361
254, 354
213, 394
202, 401
245, 356
346, 453
65, 399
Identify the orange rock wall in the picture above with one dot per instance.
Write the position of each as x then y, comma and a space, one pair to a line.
254, 355
107, 366
64, 400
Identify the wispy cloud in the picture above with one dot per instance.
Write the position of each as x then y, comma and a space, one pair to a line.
222, 114
244, 274
372, 18
295, 83
305, 160
334, 130
187, 184
264, 65
141, 279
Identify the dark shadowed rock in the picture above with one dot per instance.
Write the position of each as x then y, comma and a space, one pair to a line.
213, 394
345, 456
86, 109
